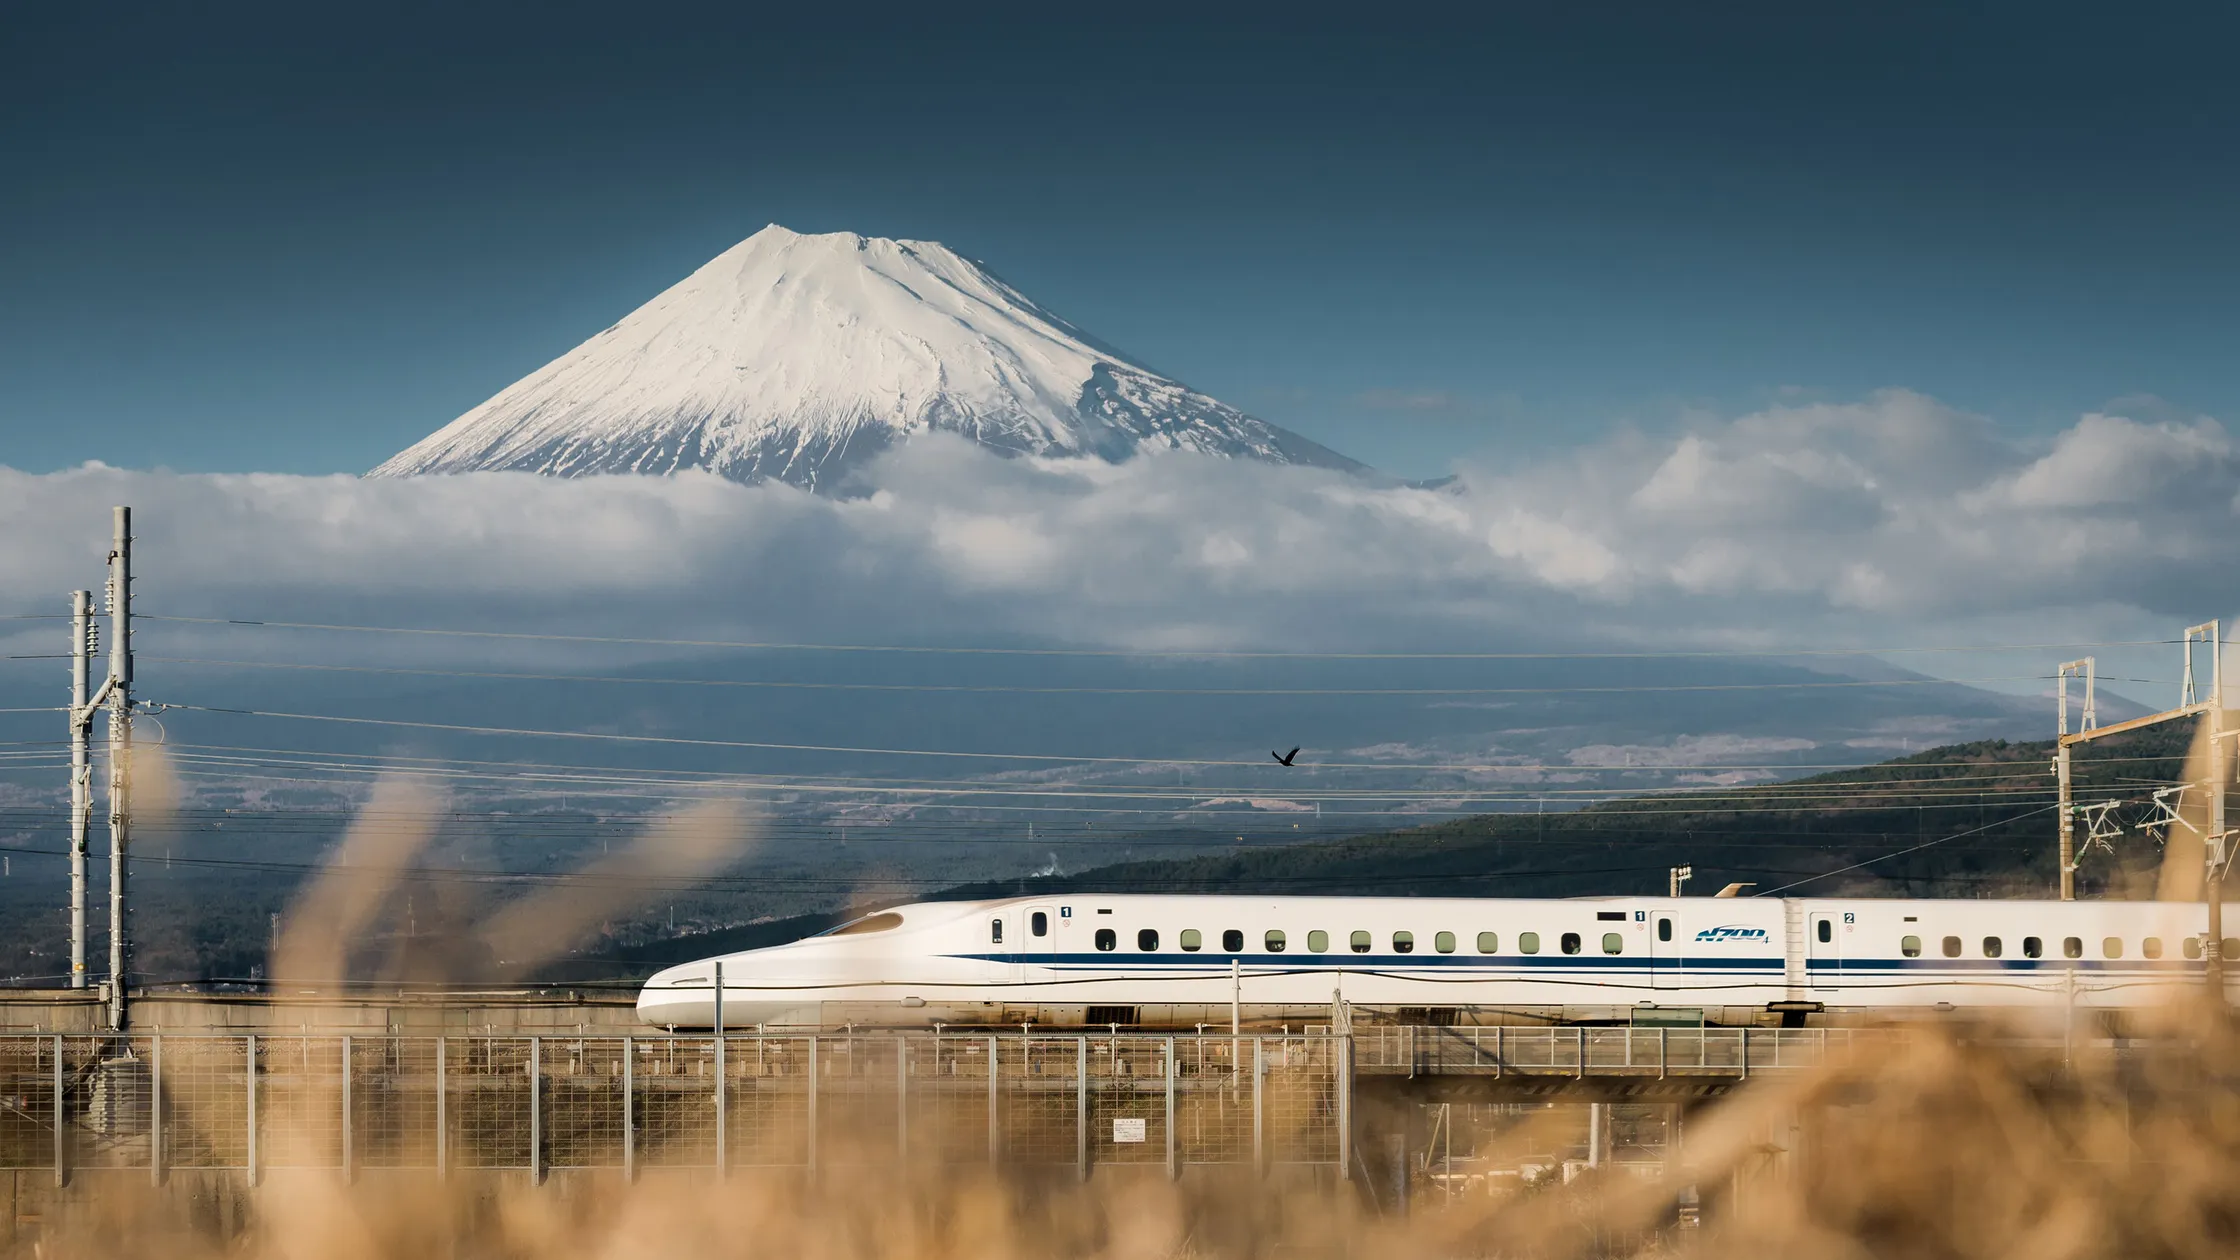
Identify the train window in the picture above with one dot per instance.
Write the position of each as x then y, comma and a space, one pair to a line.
1147, 940
995, 931
1489, 943
1107, 940
1039, 923
1664, 929
2231, 947
1318, 940
1613, 943
2072, 947
2191, 946
1952, 947
1443, 942
868, 924
1358, 942
1274, 940
1611, 916
1232, 941
1992, 947
1192, 940
1910, 946
2112, 947
1528, 942
1403, 942
2151, 947
1826, 931
2032, 947
1570, 942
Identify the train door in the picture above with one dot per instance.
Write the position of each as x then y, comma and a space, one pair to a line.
1038, 945
1823, 929
1665, 960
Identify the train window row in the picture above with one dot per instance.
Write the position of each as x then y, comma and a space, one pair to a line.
1276, 941
2071, 947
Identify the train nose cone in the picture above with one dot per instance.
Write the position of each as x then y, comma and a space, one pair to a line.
668, 1002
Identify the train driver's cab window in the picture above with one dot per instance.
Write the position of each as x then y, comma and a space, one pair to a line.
2151, 947
1489, 943
1826, 931
1318, 941
2191, 947
1274, 940
1403, 942
2032, 947
1443, 942
1039, 923
1358, 942
2072, 947
1613, 943
1232, 941
1570, 942
1952, 947
1107, 940
1192, 940
995, 931
2111, 947
1992, 947
1528, 942
1910, 946
1147, 940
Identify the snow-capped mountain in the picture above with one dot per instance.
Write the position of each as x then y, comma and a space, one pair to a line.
797, 357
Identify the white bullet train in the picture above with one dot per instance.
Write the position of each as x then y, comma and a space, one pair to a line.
1089, 960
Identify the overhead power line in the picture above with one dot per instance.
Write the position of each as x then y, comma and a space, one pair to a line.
1161, 653
1026, 689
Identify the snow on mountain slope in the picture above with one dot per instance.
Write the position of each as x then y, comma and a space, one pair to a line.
798, 357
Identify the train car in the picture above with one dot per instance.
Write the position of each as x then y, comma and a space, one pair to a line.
1178, 961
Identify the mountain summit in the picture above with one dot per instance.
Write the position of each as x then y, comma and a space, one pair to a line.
798, 357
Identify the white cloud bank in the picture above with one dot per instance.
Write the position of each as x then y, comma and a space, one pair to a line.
1892, 514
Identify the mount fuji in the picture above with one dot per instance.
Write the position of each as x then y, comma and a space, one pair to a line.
799, 357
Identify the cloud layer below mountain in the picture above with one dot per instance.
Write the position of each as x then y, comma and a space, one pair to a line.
1886, 519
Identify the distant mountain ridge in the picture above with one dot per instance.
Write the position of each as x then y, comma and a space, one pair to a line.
797, 358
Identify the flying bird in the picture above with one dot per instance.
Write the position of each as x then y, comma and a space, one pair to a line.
1284, 759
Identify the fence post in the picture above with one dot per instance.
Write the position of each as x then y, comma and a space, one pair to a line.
155, 1110
1080, 1104
1259, 1112
902, 1099
1174, 1166
629, 1109
249, 1072
723, 1112
349, 1166
812, 1153
443, 1114
61, 1122
1341, 1065
995, 1127
536, 1111
1663, 1051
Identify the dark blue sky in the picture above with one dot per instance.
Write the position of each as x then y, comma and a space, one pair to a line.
298, 238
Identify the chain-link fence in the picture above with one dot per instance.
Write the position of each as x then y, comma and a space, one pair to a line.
250, 1103
1578, 1051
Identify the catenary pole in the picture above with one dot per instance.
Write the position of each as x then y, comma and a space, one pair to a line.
81, 774
2220, 842
120, 754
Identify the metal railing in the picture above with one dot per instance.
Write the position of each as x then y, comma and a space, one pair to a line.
249, 1103
1579, 1051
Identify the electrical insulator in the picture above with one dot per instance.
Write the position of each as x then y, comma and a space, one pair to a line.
109, 597
93, 638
